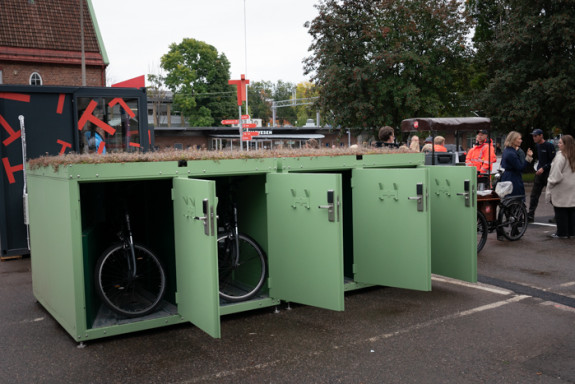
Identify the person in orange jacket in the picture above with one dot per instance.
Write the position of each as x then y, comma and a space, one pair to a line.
482, 155
438, 144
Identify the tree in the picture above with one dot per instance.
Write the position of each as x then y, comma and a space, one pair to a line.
260, 94
285, 91
377, 62
529, 64
157, 94
198, 77
306, 90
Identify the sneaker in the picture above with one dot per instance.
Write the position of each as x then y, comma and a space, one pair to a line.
530, 220
556, 236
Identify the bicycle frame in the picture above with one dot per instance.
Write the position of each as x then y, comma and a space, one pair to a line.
128, 240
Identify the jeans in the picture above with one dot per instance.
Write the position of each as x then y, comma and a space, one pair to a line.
539, 182
565, 218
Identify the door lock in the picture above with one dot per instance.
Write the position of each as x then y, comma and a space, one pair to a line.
465, 194
419, 197
208, 218
330, 205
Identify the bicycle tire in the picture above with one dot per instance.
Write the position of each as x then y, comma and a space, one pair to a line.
512, 220
482, 231
127, 296
240, 281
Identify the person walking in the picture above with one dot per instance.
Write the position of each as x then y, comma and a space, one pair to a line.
514, 161
545, 155
560, 190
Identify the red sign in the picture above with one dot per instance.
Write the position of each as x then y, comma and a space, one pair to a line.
241, 84
245, 117
250, 133
246, 138
249, 125
230, 121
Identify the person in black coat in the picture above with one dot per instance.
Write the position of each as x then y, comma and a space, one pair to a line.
514, 161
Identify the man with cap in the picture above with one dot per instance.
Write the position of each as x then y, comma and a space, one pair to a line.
545, 155
482, 155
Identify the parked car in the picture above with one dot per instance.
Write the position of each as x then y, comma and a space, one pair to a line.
461, 153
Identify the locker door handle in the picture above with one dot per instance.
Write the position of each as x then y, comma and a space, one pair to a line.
465, 194
419, 197
208, 218
330, 206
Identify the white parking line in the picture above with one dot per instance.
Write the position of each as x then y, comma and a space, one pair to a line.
558, 306
545, 224
480, 286
449, 317
312, 354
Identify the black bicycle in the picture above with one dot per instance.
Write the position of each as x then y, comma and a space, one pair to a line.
511, 219
129, 278
241, 262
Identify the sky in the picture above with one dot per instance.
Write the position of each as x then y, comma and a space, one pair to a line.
136, 33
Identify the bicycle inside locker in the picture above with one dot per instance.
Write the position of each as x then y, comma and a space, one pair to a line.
103, 209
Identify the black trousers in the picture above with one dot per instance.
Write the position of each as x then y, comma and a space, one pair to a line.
565, 218
539, 182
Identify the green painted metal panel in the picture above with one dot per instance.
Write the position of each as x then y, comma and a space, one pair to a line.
391, 236
453, 222
56, 251
393, 160
305, 247
338, 162
196, 253
158, 169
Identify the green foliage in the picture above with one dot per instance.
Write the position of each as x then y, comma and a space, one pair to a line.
285, 91
260, 94
260, 97
198, 77
377, 62
528, 63
306, 90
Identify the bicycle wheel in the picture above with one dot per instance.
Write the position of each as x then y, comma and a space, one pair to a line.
128, 295
512, 220
240, 277
481, 231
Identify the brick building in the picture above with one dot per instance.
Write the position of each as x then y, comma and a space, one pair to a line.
40, 43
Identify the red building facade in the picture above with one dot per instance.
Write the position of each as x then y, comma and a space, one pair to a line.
41, 43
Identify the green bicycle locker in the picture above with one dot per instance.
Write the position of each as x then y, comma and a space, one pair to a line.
453, 222
327, 224
305, 239
195, 235
391, 234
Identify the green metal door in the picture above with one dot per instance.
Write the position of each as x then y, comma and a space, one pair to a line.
305, 248
453, 222
195, 233
391, 227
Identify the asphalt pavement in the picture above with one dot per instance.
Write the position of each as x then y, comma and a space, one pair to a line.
517, 325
